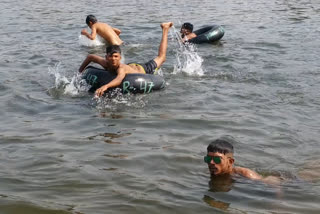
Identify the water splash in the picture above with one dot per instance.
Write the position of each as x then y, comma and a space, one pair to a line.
63, 85
116, 101
85, 41
188, 60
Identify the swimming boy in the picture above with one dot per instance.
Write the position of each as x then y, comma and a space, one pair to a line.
111, 35
220, 162
186, 32
112, 63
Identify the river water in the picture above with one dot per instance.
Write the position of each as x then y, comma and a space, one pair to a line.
62, 151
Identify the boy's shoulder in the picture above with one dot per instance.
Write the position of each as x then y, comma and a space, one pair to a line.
239, 170
100, 23
246, 173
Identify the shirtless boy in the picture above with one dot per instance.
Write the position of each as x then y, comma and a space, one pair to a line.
220, 163
186, 32
111, 35
112, 63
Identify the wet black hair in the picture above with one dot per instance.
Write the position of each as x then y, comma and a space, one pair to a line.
187, 26
221, 146
91, 18
113, 49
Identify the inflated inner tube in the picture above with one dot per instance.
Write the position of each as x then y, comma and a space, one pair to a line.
132, 83
208, 34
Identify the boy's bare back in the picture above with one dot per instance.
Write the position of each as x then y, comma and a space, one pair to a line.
107, 32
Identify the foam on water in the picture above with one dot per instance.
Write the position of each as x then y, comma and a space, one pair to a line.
187, 58
73, 87
115, 100
85, 41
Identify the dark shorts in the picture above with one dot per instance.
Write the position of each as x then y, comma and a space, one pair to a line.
149, 67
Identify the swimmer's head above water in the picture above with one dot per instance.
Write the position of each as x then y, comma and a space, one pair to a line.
219, 157
186, 29
113, 49
90, 20
113, 56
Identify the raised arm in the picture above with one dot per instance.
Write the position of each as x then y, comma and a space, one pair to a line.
92, 58
114, 83
117, 31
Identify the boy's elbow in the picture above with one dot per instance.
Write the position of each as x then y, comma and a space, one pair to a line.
90, 58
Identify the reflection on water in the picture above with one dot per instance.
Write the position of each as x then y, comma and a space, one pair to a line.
215, 203
221, 183
111, 115
116, 156
111, 137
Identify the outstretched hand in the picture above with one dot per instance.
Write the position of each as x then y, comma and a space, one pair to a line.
100, 91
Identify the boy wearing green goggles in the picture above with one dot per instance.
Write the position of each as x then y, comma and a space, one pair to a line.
220, 162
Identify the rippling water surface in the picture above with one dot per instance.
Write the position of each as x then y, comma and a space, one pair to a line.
62, 151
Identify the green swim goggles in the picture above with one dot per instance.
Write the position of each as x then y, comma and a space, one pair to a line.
208, 159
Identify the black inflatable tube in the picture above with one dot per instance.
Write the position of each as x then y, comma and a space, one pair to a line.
132, 83
208, 34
